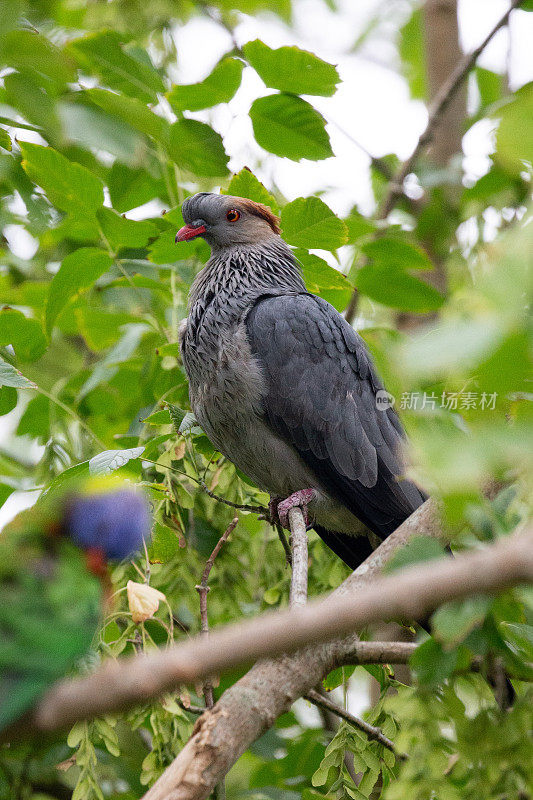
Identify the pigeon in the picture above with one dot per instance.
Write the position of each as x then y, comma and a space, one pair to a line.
285, 388
54, 581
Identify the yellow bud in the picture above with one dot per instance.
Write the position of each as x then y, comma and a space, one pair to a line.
143, 600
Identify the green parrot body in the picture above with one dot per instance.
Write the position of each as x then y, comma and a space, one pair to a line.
50, 609
53, 579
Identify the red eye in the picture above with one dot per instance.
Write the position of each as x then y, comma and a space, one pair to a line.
233, 215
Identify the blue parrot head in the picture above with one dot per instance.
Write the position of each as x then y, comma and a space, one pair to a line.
107, 519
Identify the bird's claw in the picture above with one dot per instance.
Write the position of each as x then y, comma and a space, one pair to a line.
300, 499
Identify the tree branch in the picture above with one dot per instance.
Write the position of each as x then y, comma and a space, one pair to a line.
373, 732
299, 558
438, 107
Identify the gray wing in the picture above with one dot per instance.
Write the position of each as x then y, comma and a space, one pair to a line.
321, 396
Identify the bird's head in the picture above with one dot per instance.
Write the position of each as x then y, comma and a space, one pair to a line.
106, 518
225, 221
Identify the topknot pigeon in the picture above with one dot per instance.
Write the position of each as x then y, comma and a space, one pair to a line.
283, 385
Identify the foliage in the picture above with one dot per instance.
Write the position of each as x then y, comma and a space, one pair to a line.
93, 127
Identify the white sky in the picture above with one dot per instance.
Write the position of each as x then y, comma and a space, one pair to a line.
372, 104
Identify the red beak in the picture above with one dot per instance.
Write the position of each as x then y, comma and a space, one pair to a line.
189, 232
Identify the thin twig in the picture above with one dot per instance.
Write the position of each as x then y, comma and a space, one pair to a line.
203, 588
284, 542
298, 591
438, 107
238, 506
374, 733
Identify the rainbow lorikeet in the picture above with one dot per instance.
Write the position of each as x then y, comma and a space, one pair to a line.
53, 576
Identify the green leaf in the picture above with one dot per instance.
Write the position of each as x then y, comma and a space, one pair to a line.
69, 186
78, 272
514, 139
9, 376
196, 147
292, 70
110, 460
417, 549
490, 85
25, 335
397, 289
129, 188
323, 280
27, 50
5, 492
453, 621
122, 232
358, 226
245, 184
412, 54
289, 127
8, 399
103, 53
5, 141
99, 327
35, 421
218, 87
132, 111
393, 252
91, 128
309, 222
431, 664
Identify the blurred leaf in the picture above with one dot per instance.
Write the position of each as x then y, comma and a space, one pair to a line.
196, 147
164, 545
245, 184
91, 128
99, 327
110, 460
24, 334
397, 289
309, 222
412, 54
78, 272
453, 621
129, 187
323, 280
68, 185
28, 50
514, 138
9, 376
432, 664
490, 85
132, 111
417, 549
103, 53
5, 141
218, 87
288, 126
35, 421
5, 492
292, 70
394, 252
358, 226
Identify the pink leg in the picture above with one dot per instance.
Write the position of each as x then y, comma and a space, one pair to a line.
301, 498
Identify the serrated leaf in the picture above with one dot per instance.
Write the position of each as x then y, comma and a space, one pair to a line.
245, 184
188, 422
196, 147
161, 417
78, 272
218, 87
176, 415
9, 376
290, 127
323, 280
290, 69
103, 53
308, 222
69, 186
109, 460
25, 335
397, 289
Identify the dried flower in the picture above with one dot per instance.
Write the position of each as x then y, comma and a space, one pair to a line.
143, 600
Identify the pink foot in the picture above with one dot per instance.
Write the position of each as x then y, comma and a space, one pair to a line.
301, 499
